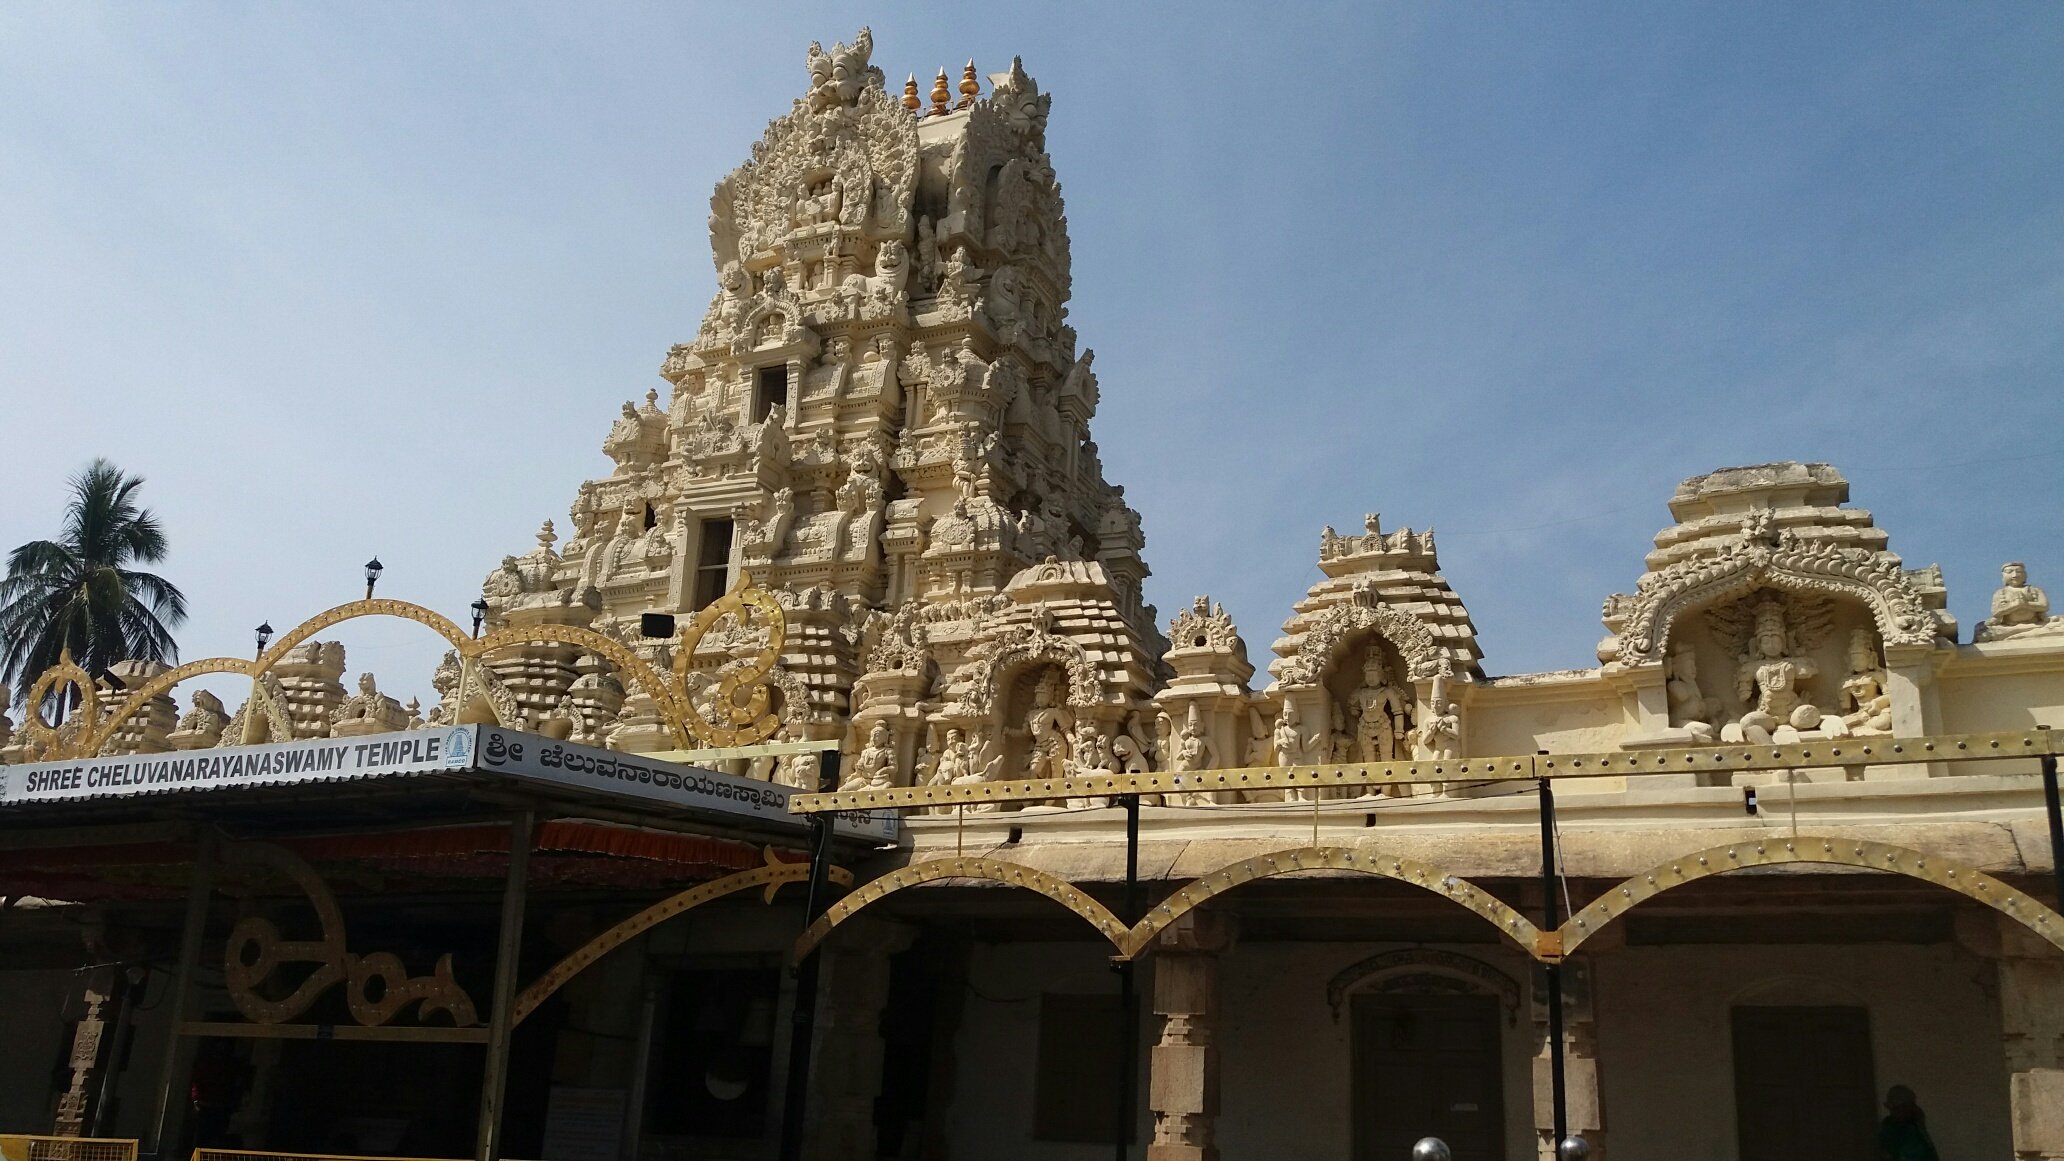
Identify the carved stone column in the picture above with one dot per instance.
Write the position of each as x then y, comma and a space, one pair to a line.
2031, 979
1583, 1084
846, 1064
1182, 1070
89, 1048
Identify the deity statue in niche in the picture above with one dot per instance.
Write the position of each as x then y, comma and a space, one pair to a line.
1193, 751
1383, 712
1866, 706
1297, 745
1089, 756
1439, 736
1689, 706
799, 771
1773, 678
875, 768
2018, 608
1046, 731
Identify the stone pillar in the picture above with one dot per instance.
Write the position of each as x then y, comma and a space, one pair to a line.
846, 1062
1582, 1082
2031, 991
1182, 1069
92, 1052
1916, 710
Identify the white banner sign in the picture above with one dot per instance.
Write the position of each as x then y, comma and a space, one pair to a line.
487, 749
282, 764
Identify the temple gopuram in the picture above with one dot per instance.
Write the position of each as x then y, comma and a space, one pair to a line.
851, 606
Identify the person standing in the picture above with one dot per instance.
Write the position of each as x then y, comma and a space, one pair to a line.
1903, 1134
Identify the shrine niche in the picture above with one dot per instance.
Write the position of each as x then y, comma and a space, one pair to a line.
1775, 667
1773, 614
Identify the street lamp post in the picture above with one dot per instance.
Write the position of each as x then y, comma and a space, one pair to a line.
373, 568
479, 615
264, 635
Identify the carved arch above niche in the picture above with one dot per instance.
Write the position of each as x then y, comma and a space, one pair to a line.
1025, 644
1339, 624
1643, 620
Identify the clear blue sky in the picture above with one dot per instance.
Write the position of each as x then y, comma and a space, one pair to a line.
354, 279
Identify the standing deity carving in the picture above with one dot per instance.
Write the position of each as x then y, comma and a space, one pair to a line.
1383, 714
1439, 735
1046, 731
1193, 751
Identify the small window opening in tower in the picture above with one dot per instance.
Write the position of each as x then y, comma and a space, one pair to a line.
712, 563
770, 390
651, 517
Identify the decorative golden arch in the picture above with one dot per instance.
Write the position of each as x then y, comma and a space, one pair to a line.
1721, 860
1131, 941
772, 876
66, 673
748, 719
1408, 871
959, 867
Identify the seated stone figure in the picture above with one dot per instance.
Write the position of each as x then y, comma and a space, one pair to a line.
1689, 706
875, 768
1773, 681
1866, 707
2019, 609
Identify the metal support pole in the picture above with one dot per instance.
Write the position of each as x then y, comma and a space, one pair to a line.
2056, 813
169, 1124
1551, 915
803, 1018
494, 1081
641, 1067
1128, 1000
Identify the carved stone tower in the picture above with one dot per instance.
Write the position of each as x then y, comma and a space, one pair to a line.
885, 419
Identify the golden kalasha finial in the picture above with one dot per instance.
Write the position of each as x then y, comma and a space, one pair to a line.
970, 88
940, 95
911, 100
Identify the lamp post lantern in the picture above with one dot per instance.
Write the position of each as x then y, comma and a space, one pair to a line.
373, 568
264, 635
479, 614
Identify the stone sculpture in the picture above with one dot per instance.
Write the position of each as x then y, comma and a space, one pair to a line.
203, 723
1866, 706
2019, 609
367, 712
875, 768
1383, 721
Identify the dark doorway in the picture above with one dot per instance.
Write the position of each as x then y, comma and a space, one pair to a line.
1428, 1066
1803, 1085
713, 1073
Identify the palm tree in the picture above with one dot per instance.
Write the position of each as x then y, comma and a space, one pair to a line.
77, 593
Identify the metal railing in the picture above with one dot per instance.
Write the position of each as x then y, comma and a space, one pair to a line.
33, 1147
